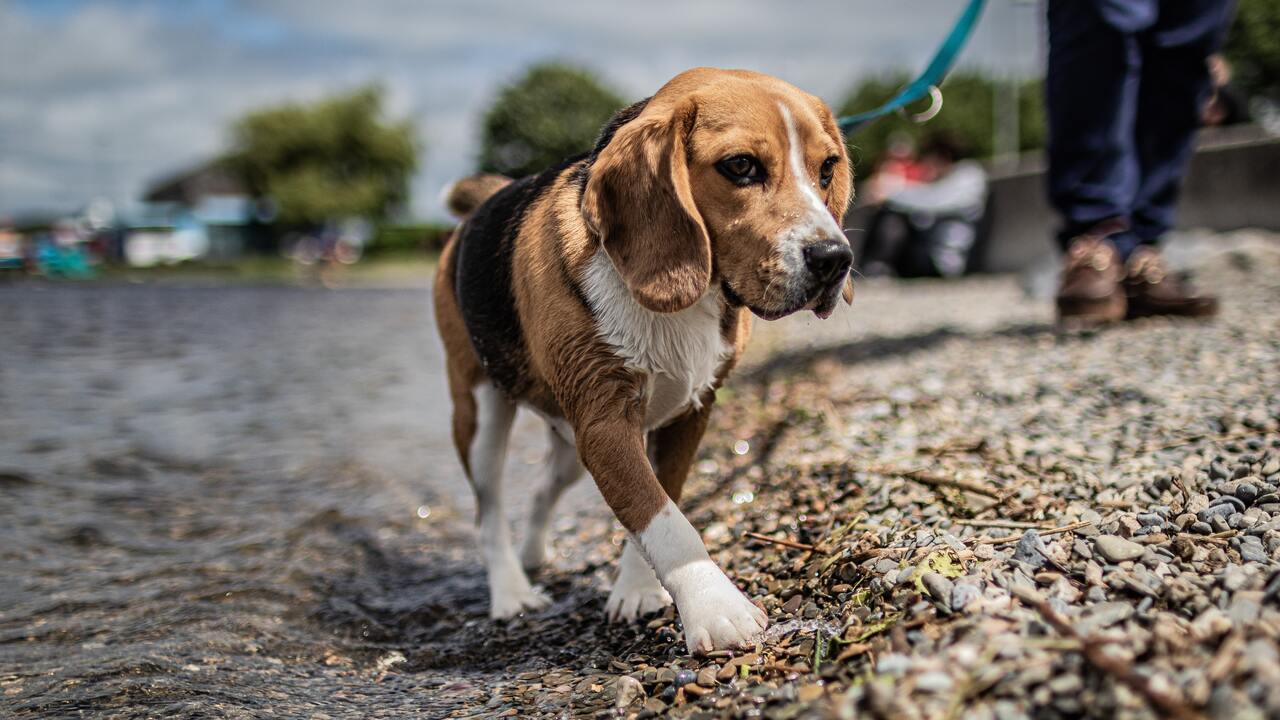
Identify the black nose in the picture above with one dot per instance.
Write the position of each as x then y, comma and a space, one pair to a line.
828, 260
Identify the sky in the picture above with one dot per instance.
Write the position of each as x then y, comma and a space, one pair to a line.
101, 97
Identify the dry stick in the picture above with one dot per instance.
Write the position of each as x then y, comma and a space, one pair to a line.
1093, 649
925, 478
1010, 524
786, 543
1016, 538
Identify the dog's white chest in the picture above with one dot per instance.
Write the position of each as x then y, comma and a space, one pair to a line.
680, 352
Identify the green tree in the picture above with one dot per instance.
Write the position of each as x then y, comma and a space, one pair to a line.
1253, 47
967, 114
552, 112
336, 157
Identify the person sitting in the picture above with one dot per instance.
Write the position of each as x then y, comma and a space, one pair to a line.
930, 228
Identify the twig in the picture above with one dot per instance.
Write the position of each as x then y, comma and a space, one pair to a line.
785, 543
924, 478
1168, 704
1016, 538
1010, 524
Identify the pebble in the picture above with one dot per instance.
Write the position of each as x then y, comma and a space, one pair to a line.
934, 682
939, 587
962, 594
1117, 549
626, 690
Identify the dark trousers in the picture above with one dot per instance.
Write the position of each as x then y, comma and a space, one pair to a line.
1126, 82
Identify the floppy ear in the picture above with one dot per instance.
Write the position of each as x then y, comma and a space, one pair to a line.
638, 200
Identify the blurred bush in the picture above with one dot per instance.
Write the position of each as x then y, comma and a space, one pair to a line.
1253, 47
552, 112
333, 158
968, 115
408, 239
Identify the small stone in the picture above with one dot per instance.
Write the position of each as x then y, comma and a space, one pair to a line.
1251, 552
791, 606
684, 677
707, 676
1184, 521
1213, 511
626, 690
810, 692
1117, 549
934, 682
1031, 550
1201, 528
962, 594
1104, 615
938, 586
1247, 492
1150, 520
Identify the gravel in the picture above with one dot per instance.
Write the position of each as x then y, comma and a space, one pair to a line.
1007, 521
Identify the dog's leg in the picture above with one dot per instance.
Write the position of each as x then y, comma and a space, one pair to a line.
671, 451
563, 469
509, 590
714, 612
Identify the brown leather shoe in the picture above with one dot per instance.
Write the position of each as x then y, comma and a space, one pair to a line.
1152, 289
1090, 290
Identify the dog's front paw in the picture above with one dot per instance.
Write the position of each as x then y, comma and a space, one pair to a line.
628, 602
715, 614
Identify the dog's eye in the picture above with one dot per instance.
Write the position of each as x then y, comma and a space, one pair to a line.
741, 169
828, 170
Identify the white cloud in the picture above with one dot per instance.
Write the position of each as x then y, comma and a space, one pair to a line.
115, 94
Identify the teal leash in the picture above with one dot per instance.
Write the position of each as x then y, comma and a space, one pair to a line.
928, 81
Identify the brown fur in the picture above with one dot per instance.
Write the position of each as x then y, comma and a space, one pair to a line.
672, 227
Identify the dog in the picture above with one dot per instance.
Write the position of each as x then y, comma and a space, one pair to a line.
612, 294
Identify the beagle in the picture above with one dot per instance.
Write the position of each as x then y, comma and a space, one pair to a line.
612, 294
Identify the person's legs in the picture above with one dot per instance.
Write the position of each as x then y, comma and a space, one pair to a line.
1092, 94
1174, 87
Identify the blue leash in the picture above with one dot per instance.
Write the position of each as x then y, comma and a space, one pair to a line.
927, 83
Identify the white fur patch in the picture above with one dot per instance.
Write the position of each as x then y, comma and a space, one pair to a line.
715, 614
679, 351
637, 591
819, 216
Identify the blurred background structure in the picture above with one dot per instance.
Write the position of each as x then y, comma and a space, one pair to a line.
147, 133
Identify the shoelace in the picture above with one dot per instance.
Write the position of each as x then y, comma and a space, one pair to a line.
1147, 267
1093, 254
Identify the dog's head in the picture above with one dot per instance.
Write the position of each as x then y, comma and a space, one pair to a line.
728, 177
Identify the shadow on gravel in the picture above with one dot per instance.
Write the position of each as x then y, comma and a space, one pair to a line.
434, 610
876, 348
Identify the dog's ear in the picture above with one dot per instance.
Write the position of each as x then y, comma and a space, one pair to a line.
639, 202
841, 191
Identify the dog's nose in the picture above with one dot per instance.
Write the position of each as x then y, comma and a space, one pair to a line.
828, 260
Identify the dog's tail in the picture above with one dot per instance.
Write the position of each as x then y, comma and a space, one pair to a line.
464, 195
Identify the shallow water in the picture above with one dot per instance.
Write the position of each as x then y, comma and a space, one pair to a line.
212, 501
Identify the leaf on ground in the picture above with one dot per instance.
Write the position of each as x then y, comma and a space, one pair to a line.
940, 562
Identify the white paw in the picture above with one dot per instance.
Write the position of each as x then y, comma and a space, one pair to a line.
715, 614
626, 603
510, 594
